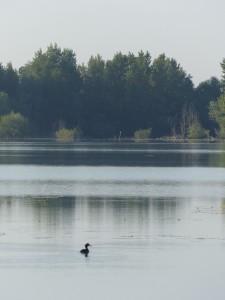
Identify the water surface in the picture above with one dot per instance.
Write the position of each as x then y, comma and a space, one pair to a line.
154, 212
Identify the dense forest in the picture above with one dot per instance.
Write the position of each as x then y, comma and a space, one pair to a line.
108, 99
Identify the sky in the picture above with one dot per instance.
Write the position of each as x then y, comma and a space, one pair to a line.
190, 31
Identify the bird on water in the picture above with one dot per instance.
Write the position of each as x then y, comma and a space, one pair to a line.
86, 250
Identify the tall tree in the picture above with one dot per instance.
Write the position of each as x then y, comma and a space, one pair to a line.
138, 93
93, 118
50, 86
223, 71
206, 92
116, 95
173, 88
11, 81
217, 108
217, 113
9, 84
5, 107
116, 69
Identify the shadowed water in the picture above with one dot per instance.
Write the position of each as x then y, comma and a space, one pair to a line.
154, 213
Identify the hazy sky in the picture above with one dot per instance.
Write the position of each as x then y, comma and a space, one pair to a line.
191, 31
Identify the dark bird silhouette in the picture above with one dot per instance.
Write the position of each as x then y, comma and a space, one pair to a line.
86, 250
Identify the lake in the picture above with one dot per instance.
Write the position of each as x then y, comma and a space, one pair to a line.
154, 214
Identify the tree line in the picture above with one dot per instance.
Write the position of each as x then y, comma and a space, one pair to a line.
109, 98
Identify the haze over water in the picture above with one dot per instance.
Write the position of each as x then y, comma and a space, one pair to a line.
154, 213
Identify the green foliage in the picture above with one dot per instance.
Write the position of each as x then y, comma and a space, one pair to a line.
14, 125
106, 97
217, 113
223, 71
172, 89
138, 92
4, 103
206, 92
68, 135
189, 118
142, 134
50, 85
196, 131
116, 95
9, 80
221, 133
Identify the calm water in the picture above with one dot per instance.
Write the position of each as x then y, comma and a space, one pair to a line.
154, 213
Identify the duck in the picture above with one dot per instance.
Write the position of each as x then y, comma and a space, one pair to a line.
86, 250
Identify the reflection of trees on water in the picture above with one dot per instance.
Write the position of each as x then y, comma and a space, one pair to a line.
221, 157
131, 213
41, 213
223, 209
6, 206
196, 154
113, 154
60, 215
217, 156
55, 214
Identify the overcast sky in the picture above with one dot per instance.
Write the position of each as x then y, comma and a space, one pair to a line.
191, 31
